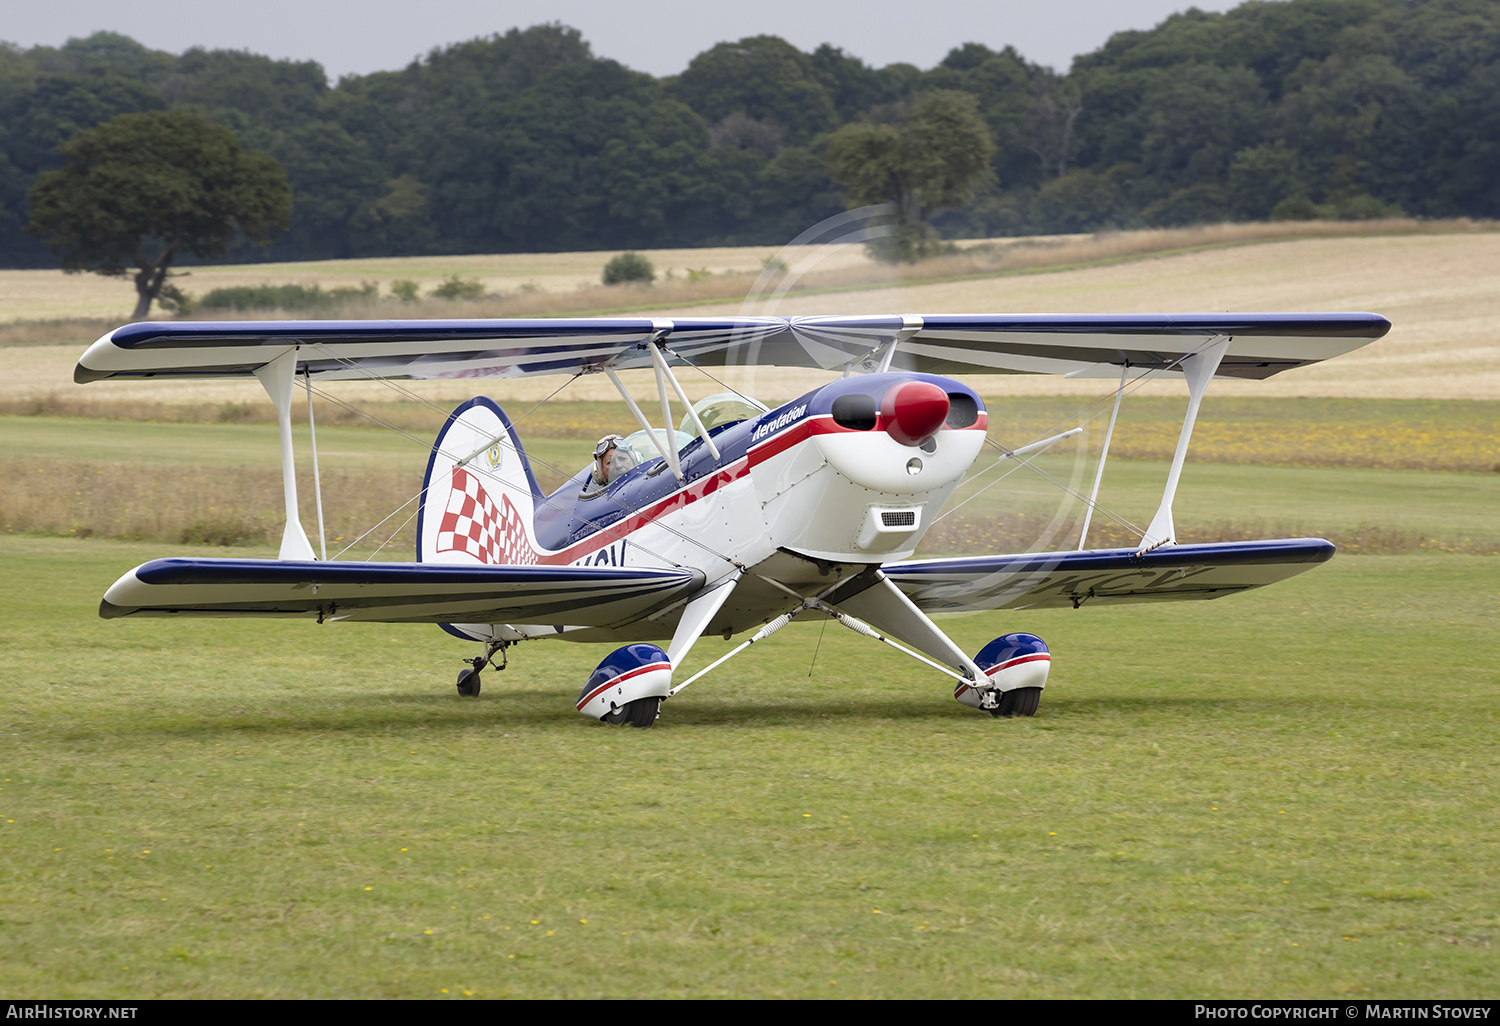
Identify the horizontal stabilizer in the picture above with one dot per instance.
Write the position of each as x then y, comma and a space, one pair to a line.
1103, 576
1261, 344
395, 592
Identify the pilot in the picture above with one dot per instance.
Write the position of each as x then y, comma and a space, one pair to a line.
611, 459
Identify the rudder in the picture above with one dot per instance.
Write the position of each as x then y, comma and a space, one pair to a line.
481, 512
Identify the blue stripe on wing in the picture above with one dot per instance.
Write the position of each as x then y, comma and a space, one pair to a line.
1104, 576
395, 592
1264, 344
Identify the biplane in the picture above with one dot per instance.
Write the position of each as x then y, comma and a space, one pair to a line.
738, 519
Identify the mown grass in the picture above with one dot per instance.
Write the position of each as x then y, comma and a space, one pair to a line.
1287, 793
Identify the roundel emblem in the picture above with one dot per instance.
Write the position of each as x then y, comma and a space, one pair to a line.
494, 456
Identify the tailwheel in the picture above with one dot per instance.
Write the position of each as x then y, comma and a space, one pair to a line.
641, 713
468, 680
1018, 702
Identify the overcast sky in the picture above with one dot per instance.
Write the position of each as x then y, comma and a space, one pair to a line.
657, 36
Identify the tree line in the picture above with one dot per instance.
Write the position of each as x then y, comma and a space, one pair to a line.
527, 141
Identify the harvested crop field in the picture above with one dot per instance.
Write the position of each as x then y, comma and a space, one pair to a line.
542, 284
1438, 290
47, 294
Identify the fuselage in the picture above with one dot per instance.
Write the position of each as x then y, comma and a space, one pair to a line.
844, 477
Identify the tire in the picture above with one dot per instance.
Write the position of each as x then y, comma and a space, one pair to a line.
468, 683
1018, 702
641, 713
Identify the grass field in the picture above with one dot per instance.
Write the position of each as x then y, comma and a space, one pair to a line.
1286, 793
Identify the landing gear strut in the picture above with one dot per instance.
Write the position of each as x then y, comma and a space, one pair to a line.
468, 680
1017, 702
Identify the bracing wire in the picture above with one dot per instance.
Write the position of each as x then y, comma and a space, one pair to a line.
722, 384
1087, 416
392, 538
547, 500
372, 530
481, 471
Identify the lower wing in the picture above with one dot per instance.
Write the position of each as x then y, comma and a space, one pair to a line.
1103, 576
395, 592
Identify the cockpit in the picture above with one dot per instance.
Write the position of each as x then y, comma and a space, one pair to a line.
616, 455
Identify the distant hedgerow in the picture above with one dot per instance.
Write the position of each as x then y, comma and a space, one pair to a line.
454, 287
283, 297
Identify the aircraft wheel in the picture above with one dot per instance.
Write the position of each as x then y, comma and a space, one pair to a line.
1018, 702
640, 713
468, 683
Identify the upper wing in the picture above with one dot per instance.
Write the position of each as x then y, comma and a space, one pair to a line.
1262, 344
395, 592
1103, 576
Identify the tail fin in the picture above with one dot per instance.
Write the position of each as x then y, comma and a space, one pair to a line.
480, 512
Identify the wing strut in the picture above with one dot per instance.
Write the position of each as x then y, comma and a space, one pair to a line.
1088, 513
1199, 369
312, 432
661, 328
277, 377
910, 325
668, 451
664, 373
664, 377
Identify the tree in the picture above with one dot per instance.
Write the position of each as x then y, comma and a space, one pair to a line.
137, 192
934, 156
761, 77
1049, 125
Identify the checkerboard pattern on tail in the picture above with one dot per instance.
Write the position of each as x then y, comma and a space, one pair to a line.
479, 494
474, 524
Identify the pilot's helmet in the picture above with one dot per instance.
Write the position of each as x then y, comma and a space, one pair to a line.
603, 470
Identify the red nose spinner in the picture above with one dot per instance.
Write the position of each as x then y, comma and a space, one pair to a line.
913, 410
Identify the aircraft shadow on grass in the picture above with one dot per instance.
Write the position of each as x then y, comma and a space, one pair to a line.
440, 716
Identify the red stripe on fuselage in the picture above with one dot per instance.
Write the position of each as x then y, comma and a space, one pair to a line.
757, 454
628, 525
